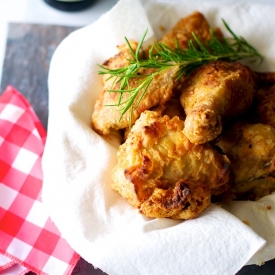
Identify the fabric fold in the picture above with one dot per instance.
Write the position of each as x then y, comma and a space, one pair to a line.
28, 238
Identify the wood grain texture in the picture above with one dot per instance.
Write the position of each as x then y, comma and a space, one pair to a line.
29, 50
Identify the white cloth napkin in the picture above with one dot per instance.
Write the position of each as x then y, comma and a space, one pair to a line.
77, 162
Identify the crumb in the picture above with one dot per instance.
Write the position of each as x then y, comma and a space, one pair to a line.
246, 222
268, 207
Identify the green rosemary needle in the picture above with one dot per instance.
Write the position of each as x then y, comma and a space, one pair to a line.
162, 57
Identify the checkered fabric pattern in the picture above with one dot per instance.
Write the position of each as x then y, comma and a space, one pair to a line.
28, 238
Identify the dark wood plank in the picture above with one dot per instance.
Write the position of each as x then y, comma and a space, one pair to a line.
29, 50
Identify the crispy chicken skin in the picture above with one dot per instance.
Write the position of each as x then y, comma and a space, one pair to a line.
182, 31
159, 91
265, 106
213, 94
251, 151
173, 108
255, 189
160, 172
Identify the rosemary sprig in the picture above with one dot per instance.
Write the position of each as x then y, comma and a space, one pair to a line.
162, 57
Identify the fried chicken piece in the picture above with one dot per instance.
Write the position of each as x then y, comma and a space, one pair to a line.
121, 59
265, 78
173, 108
182, 32
159, 91
265, 106
160, 172
215, 93
255, 189
251, 151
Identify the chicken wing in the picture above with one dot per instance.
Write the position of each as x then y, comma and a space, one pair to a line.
160, 172
213, 94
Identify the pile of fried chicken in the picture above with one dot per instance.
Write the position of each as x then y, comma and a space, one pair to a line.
207, 136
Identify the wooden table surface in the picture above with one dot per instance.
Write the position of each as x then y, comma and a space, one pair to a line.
28, 54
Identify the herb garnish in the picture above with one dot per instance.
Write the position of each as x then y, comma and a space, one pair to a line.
162, 57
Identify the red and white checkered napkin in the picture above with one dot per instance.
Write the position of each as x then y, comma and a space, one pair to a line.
29, 241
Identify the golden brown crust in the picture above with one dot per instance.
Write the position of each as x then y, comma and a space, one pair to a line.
163, 174
255, 189
173, 108
182, 32
265, 78
214, 93
251, 150
265, 106
106, 117
162, 87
